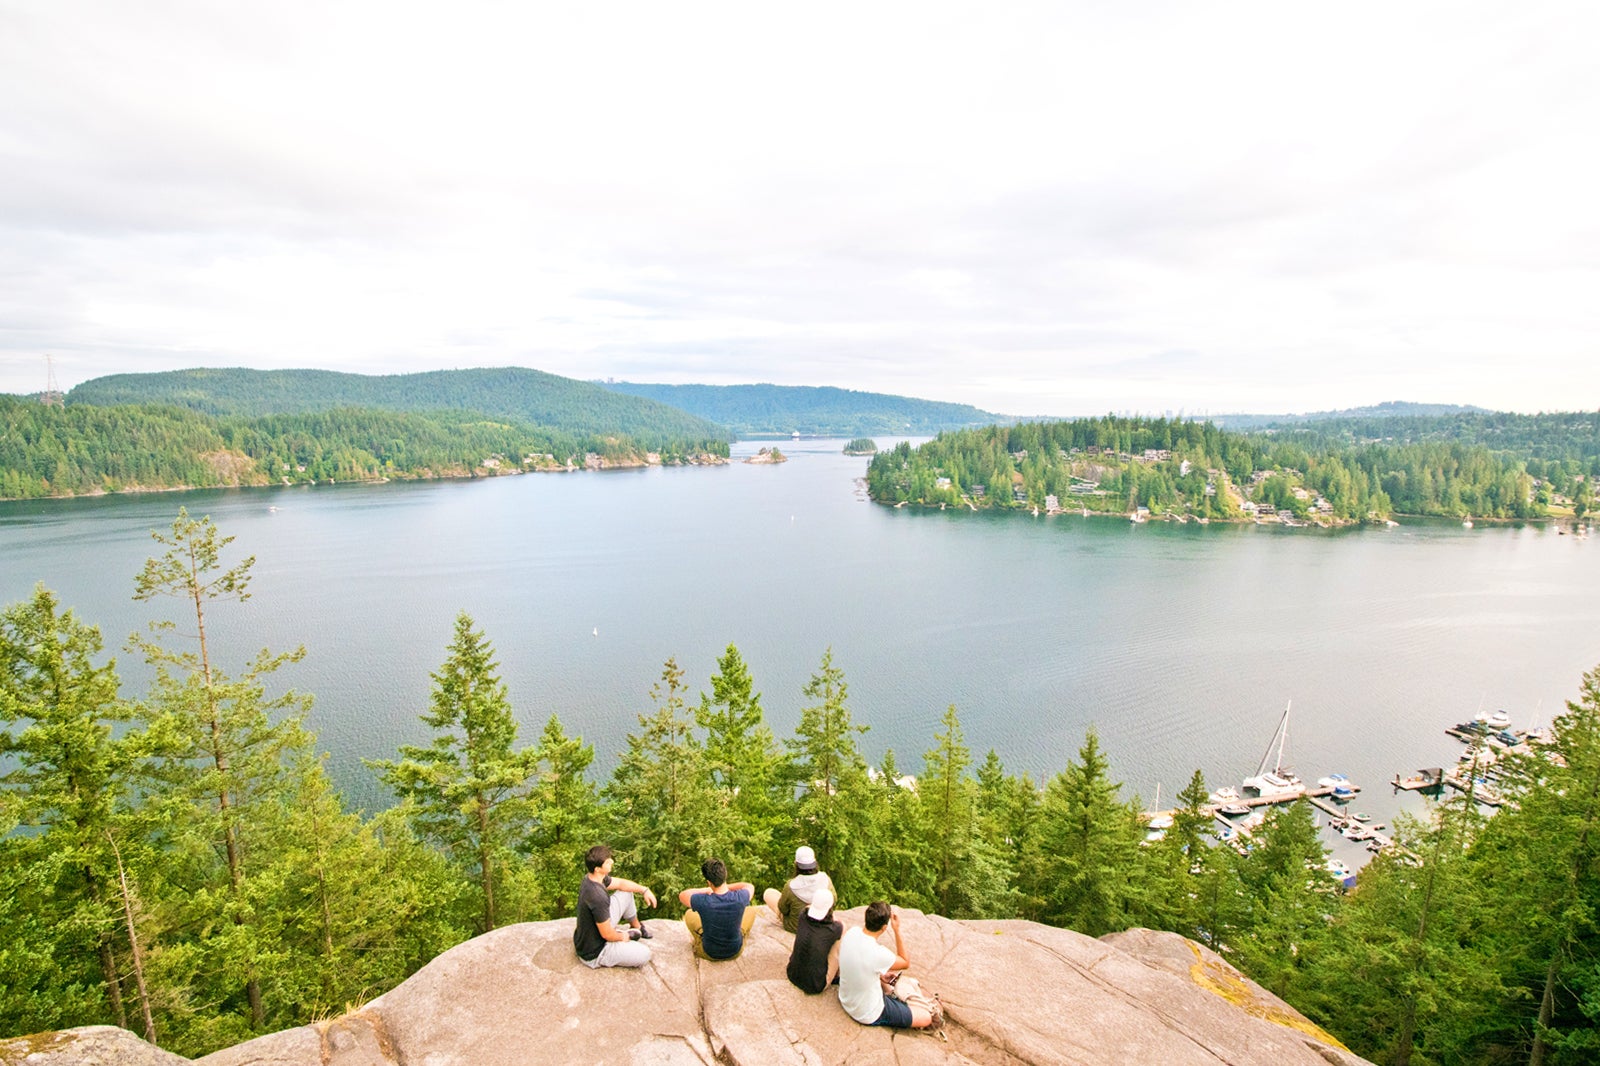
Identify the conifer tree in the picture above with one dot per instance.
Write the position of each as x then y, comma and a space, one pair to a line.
1170, 863
1418, 974
746, 768
1290, 896
1087, 843
66, 779
971, 877
894, 859
834, 810
666, 818
566, 810
469, 789
221, 777
1547, 852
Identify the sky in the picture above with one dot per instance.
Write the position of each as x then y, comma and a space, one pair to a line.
1039, 209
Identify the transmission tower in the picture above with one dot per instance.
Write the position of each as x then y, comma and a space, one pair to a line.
51, 397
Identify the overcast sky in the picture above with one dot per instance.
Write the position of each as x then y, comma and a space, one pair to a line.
1061, 208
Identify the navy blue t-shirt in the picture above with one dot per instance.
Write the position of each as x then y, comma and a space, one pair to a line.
720, 918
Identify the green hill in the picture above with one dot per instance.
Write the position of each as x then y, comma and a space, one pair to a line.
778, 410
513, 393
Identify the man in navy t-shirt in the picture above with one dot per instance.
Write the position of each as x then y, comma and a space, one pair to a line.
719, 916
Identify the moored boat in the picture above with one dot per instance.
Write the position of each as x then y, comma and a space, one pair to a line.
1280, 783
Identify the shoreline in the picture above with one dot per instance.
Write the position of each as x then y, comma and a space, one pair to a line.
476, 474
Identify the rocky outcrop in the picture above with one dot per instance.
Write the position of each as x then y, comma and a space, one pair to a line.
1016, 994
89, 1045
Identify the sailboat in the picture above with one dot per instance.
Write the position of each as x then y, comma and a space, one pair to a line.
1279, 783
1157, 823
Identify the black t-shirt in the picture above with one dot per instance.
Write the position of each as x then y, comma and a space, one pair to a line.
808, 963
594, 907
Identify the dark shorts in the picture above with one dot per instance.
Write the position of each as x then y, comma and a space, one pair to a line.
896, 1014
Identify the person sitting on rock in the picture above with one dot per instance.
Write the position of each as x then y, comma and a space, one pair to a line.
796, 896
604, 902
719, 916
867, 970
814, 962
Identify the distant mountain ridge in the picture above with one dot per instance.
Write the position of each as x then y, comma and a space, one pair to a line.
515, 393
1387, 409
814, 410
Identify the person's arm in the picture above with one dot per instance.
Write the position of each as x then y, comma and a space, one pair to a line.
684, 896
747, 886
609, 931
622, 884
901, 960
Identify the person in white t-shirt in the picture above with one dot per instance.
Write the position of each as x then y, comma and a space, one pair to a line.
865, 969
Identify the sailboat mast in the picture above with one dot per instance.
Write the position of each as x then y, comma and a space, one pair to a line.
1283, 736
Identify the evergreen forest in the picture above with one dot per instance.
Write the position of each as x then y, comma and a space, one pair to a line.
84, 448
1194, 469
178, 862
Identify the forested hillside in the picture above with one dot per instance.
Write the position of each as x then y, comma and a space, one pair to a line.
86, 448
512, 394
179, 863
778, 410
1194, 469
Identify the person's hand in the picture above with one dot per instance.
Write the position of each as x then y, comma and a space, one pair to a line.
894, 920
649, 898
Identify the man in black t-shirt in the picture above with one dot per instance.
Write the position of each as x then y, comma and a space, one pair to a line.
604, 903
814, 962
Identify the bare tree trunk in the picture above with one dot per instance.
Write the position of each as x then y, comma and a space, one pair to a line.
219, 756
486, 862
133, 944
108, 962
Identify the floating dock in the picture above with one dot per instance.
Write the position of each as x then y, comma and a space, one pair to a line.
1425, 780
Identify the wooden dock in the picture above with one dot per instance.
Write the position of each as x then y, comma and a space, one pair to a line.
1214, 809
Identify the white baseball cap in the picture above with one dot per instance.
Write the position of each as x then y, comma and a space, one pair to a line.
821, 904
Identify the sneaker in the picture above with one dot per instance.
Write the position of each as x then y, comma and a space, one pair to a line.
644, 933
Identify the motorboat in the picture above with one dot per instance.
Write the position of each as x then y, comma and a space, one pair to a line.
1225, 794
1233, 810
1342, 788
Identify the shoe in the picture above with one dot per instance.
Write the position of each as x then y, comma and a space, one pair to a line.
644, 933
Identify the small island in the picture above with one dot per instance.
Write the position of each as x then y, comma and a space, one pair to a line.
861, 446
768, 455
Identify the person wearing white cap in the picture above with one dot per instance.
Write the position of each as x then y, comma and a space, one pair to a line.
814, 962
797, 894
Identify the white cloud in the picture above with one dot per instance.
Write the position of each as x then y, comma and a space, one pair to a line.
1033, 208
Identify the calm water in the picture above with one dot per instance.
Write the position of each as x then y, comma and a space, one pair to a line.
1181, 644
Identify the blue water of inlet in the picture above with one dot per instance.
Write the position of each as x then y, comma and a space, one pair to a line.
1180, 644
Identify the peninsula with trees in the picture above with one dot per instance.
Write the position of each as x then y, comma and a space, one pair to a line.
220, 428
1184, 470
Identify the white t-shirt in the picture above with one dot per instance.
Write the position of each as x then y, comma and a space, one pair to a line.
861, 960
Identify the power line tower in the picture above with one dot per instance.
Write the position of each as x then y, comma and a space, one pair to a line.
51, 397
